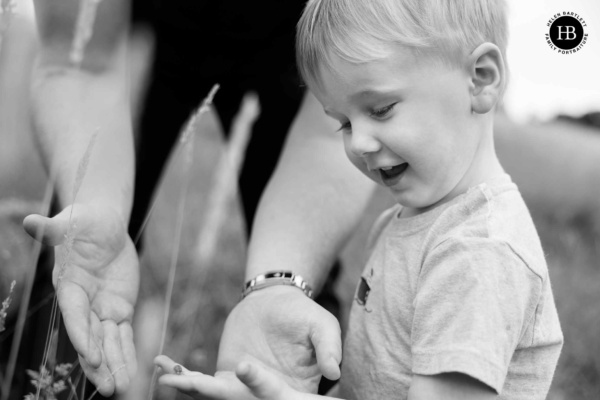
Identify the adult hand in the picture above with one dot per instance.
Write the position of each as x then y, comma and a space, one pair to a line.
97, 282
287, 333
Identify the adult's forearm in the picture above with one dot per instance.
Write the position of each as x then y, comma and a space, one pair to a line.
312, 203
69, 108
72, 103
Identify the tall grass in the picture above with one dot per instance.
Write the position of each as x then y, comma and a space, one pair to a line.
5, 306
84, 29
187, 143
24, 301
7, 8
573, 251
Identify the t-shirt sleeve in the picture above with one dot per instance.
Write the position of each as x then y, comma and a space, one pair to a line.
475, 299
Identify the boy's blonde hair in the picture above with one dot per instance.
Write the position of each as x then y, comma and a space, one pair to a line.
360, 31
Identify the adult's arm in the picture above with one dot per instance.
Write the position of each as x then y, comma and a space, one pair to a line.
97, 279
308, 211
312, 203
70, 104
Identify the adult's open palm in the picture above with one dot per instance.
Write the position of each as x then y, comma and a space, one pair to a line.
285, 331
97, 280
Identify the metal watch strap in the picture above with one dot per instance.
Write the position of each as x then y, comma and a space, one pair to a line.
273, 278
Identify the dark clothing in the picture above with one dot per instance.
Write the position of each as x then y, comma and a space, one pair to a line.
244, 46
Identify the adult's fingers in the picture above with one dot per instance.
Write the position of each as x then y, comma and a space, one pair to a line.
115, 359
100, 377
326, 337
50, 231
128, 348
84, 329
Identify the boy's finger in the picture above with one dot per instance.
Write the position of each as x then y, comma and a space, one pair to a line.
207, 386
167, 365
179, 382
327, 340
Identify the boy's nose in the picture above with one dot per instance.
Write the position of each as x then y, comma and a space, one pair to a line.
363, 143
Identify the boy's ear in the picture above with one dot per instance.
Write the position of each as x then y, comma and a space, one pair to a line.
487, 76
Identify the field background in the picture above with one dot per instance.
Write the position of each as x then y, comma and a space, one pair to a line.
555, 165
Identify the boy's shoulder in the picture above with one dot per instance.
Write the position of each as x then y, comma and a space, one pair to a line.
492, 214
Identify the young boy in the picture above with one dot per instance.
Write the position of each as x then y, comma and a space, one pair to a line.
455, 300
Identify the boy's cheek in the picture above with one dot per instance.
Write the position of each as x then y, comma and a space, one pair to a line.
362, 166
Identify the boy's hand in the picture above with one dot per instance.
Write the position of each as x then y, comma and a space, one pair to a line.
96, 289
288, 333
224, 385
250, 381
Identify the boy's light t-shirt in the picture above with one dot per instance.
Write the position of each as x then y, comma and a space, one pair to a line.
461, 288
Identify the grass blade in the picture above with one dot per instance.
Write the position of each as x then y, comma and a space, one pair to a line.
224, 188
187, 142
7, 7
33, 261
225, 180
185, 135
83, 30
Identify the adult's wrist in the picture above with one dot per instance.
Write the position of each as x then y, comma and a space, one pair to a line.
108, 213
276, 291
276, 278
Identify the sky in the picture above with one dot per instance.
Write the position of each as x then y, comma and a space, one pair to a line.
543, 83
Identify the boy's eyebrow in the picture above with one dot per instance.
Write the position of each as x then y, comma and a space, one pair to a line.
367, 93
374, 92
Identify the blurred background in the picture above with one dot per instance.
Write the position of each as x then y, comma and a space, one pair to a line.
548, 138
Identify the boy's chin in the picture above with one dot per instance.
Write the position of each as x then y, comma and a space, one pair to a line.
412, 204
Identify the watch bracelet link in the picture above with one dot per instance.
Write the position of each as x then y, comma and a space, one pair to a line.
273, 278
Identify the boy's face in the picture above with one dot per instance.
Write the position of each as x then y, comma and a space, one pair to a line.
407, 124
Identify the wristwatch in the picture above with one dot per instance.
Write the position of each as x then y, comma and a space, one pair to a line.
273, 278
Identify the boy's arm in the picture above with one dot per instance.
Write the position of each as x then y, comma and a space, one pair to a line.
309, 209
69, 105
450, 386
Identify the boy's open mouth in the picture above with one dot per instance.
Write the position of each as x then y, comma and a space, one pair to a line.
391, 175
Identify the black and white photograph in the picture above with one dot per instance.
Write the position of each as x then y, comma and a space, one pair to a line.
293, 200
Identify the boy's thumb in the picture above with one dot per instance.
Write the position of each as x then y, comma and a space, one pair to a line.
50, 231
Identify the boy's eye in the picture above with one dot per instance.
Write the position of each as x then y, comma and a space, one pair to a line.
346, 126
382, 112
